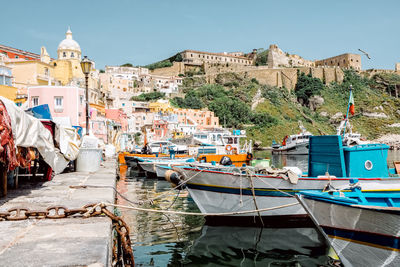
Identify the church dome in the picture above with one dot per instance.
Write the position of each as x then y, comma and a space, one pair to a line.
67, 46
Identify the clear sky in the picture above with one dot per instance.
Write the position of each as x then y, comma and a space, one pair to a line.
114, 32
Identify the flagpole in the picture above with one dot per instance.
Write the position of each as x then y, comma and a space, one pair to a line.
348, 109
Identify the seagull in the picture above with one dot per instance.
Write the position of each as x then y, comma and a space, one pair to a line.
365, 53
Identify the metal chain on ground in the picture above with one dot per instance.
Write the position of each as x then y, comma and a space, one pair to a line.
122, 248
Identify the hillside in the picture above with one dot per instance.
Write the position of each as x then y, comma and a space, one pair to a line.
269, 113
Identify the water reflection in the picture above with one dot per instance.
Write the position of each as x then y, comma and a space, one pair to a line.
250, 246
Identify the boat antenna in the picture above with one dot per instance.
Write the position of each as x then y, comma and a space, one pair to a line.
348, 108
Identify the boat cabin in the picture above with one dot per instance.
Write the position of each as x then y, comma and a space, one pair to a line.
328, 155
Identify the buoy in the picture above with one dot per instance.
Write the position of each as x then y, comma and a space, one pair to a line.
174, 178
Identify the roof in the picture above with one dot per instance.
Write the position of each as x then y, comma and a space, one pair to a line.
19, 51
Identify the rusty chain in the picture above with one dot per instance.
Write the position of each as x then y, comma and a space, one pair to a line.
122, 246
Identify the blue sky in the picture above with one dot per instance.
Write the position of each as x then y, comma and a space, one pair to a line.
142, 32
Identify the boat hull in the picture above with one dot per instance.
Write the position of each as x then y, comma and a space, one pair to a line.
360, 237
221, 192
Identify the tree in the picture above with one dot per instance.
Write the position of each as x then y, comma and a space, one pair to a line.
307, 86
148, 97
127, 65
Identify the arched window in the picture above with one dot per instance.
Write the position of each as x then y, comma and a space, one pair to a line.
72, 54
64, 54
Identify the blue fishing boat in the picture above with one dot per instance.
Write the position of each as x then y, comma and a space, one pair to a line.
362, 227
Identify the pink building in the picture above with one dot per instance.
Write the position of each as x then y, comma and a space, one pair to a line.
118, 116
66, 103
160, 129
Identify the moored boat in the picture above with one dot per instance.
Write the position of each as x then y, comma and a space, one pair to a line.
363, 228
296, 144
220, 191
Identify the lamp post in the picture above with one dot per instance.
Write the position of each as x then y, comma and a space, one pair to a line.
86, 66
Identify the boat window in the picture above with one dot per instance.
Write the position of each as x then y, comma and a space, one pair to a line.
235, 140
230, 140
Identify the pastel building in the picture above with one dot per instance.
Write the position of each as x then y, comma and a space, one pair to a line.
66, 103
203, 118
167, 85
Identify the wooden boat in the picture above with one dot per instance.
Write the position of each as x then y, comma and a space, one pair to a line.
216, 191
363, 228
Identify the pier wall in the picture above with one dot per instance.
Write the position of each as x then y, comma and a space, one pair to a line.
60, 242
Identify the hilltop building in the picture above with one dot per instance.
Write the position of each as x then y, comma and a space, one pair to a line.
346, 61
193, 57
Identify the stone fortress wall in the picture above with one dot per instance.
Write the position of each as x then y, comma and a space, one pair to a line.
281, 70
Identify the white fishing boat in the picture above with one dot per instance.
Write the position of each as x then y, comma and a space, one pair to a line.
163, 147
329, 162
296, 144
363, 228
149, 165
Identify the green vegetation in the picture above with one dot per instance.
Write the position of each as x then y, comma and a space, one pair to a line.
227, 104
148, 96
127, 65
262, 57
307, 86
159, 64
279, 111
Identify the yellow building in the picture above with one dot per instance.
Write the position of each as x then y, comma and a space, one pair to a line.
31, 73
8, 92
160, 106
67, 66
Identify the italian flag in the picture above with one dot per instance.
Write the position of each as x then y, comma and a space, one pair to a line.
351, 102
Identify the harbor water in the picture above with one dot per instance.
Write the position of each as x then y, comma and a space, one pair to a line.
183, 240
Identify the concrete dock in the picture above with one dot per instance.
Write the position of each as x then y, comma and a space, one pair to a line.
60, 242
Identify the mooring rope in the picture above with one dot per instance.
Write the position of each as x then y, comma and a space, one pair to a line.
201, 214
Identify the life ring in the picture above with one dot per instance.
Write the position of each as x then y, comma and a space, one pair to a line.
228, 148
249, 156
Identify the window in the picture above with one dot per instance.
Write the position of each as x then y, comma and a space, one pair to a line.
72, 54
81, 99
35, 101
58, 103
64, 54
16, 56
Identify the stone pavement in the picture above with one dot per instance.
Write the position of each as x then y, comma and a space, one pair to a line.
60, 242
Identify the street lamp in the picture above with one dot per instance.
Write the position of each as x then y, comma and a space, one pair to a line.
86, 66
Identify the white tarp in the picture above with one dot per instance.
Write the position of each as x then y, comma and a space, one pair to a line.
68, 141
30, 132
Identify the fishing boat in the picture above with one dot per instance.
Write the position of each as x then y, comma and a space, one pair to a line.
329, 162
148, 165
362, 227
296, 144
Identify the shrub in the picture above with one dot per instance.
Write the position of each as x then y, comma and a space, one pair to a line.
148, 96
307, 86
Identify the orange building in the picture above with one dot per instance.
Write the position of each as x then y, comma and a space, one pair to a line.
17, 53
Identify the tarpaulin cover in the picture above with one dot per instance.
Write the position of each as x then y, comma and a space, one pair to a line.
68, 141
29, 132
